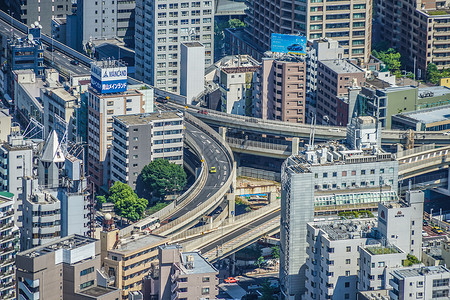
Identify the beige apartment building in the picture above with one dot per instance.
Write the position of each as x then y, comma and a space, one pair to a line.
334, 78
281, 91
64, 269
127, 260
181, 275
422, 34
349, 22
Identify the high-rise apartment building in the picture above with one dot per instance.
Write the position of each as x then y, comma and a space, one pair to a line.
349, 22
101, 20
9, 237
42, 11
17, 161
102, 106
140, 139
325, 178
64, 269
41, 217
160, 28
281, 91
420, 35
334, 78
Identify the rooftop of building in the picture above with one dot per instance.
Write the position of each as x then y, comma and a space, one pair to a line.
374, 295
397, 204
43, 198
199, 264
334, 153
341, 66
62, 94
235, 70
383, 250
69, 243
428, 115
433, 91
109, 63
6, 196
137, 242
346, 229
192, 44
377, 83
97, 291
230, 8
436, 12
421, 271
146, 118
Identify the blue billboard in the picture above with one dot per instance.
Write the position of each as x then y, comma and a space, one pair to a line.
107, 80
286, 43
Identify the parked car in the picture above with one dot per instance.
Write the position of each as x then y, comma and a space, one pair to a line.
231, 280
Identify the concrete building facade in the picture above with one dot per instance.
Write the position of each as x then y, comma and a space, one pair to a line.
192, 70
101, 109
420, 283
181, 274
101, 20
160, 28
348, 22
42, 11
64, 269
419, 36
9, 245
334, 78
41, 215
128, 260
323, 179
281, 91
140, 139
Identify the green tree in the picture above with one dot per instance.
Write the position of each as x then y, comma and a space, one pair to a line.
433, 74
235, 23
267, 291
390, 57
276, 252
160, 177
259, 261
126, 203
99, 201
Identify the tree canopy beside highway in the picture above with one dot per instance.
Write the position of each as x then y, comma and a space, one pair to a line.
126, 203
161, 178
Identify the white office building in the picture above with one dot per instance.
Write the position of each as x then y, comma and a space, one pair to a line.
41, 217
160, 28
192, 69
140, 139
420, 283
325, 178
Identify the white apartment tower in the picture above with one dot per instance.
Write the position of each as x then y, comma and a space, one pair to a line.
161, 26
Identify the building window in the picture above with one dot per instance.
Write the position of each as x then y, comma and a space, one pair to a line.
344, 173
205, 279
87, 271
347, 284
86, 284
205, 291
349, 248
347, 261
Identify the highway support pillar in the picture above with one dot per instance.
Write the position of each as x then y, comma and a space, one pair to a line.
295, 148
448, 180
223, 132
272, 197
233, 264
231, 206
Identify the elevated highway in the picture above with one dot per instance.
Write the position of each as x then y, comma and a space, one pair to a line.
290, 130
